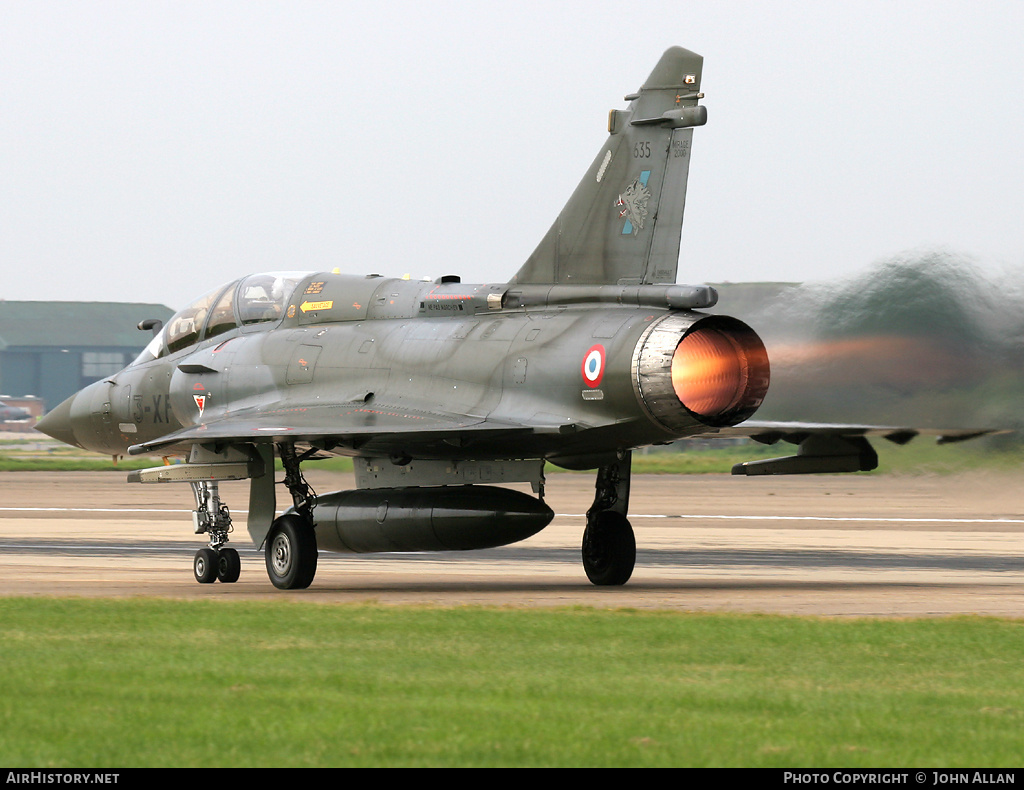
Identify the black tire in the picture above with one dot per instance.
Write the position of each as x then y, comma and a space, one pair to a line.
204, 566
291, 553
609, 549
229, 566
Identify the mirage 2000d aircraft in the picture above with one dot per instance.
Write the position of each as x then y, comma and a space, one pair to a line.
443, 391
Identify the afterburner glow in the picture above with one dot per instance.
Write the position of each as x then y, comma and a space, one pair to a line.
692, 369
709, 372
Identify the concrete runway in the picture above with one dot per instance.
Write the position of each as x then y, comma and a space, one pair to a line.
843, 545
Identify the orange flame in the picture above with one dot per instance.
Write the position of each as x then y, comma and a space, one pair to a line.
708, 373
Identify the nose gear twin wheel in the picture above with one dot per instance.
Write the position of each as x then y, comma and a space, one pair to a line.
229, 566
204, 565
209, 565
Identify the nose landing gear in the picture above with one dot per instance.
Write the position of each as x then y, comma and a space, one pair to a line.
216, 562
210, 565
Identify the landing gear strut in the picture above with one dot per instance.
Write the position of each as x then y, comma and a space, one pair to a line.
291, 553
609, 547
213, 517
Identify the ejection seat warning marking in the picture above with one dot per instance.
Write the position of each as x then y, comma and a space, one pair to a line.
593, 366
307, 306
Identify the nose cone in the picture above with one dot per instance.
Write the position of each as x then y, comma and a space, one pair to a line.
57, 423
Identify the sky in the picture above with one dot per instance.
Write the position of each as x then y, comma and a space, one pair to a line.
150, 151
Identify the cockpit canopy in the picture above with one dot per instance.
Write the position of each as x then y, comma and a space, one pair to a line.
256, 299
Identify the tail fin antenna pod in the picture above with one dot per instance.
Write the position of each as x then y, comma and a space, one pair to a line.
623, 223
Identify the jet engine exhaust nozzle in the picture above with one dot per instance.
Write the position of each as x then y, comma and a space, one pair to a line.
692, 369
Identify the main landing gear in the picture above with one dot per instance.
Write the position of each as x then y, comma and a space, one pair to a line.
291, 553
609, 547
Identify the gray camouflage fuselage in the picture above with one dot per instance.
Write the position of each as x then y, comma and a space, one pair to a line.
375, 353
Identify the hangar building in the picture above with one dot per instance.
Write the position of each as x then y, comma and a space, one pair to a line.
51, 350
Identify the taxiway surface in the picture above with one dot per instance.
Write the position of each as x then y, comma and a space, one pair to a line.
830, 545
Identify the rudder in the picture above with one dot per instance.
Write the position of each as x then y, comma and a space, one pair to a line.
622, 225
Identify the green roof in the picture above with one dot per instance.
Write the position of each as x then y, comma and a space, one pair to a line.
83, 324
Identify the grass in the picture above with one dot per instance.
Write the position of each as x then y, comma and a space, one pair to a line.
90, 683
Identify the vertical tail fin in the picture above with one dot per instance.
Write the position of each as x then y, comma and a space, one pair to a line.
623, 222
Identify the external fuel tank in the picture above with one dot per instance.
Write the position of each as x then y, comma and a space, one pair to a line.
426, 518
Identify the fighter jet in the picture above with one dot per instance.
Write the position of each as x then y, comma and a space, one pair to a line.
13, 413
442, 392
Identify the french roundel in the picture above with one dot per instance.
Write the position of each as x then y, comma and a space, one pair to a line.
593, 366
